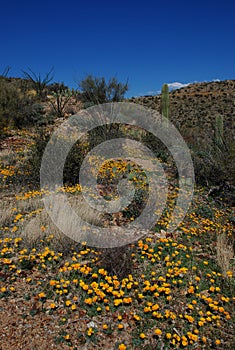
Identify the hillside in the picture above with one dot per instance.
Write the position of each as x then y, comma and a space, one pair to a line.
195, 106
165, 290
193, 109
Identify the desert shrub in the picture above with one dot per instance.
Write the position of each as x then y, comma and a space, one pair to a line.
18, 108
214, 164
72, 164
97, 90
104, 133
34, 114
25, 115
36, 153
214, 168
155, 145
9, 99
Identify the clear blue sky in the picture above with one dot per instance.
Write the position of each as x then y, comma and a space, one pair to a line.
149, 42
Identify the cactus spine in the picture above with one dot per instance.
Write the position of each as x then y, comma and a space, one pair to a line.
165, 103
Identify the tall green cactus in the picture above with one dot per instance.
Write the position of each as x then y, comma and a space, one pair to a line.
165, 103
219, 129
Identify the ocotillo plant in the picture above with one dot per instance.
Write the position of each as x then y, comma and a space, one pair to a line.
219, 129
165, 102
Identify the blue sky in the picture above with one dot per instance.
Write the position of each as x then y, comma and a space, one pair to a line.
148, 42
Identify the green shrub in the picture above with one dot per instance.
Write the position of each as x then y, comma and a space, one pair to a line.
214, 164
35, 156
72, 164
17, 107
97, 90
155, 145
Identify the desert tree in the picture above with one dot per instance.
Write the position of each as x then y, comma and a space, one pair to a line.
96, 90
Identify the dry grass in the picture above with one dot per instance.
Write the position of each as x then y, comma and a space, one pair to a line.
6, 208
7, 156
41, 226
225, 254
117, 261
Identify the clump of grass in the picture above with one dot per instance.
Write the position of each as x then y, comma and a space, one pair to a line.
39, 225
225, 254
7, 157
6, 208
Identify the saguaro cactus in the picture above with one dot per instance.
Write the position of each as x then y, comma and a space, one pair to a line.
165, 103
219, 129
